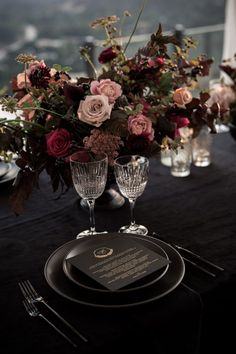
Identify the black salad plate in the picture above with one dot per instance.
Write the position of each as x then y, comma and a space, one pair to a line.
82, 280
60, 283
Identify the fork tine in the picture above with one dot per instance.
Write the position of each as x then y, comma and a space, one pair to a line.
22, 290
34, 292
26, 303
27, 294
31, 308
28, 290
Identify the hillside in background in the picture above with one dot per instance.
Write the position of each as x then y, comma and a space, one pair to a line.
55, 29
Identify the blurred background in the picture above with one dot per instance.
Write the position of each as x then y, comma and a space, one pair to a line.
54, 30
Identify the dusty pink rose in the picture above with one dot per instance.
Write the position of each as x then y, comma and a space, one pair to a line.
22, 80
58, 142
141, 125
94, 110
28, 114
182, 96
106, 87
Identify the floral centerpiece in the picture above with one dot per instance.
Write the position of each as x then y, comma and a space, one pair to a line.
223, 91
228, 100
131, 105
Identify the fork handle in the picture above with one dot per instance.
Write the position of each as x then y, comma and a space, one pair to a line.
58, 330
65, 322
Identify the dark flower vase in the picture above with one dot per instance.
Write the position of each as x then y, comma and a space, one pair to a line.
232, 130
110, 199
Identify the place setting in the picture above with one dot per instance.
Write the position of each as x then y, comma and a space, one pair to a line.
106, 269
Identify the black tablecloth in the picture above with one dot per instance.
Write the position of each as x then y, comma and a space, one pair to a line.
197, 211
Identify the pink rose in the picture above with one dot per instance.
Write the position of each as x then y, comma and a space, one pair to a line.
22, 81
141, 125
58, 142
107, 88
94, 110
152, 63
182, 96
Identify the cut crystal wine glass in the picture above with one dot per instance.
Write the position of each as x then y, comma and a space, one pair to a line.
131, 172
89, 175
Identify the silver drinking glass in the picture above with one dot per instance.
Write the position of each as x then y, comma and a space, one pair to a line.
89, 175
131, 172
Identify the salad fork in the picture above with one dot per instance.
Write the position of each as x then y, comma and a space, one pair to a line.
32, 296
34, 312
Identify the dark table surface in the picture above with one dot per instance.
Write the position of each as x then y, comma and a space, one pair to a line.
197, 211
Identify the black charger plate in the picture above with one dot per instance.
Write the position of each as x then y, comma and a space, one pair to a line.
58, 281
85, 281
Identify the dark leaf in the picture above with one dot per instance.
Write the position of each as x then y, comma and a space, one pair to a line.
204, 96
193, 104
66, 176
73, 94
205, 64
23, 187
117, 125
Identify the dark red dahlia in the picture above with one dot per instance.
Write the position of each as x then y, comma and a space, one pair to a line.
40, 76
107, 55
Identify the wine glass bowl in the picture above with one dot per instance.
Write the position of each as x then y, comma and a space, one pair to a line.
89, 175
131, 172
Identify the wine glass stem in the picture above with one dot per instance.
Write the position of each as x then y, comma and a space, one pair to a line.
91, 203
132, 204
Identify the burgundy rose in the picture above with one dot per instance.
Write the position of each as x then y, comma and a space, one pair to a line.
107, 55
58, 142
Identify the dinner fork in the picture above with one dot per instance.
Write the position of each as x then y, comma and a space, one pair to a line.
34, 312
32, 296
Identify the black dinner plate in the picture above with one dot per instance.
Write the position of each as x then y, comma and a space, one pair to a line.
85, 281
11, 173
58, 281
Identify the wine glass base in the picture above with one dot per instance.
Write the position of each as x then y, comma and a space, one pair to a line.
134, 229
86, 233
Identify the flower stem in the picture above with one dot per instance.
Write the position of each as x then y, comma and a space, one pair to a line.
136, 24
